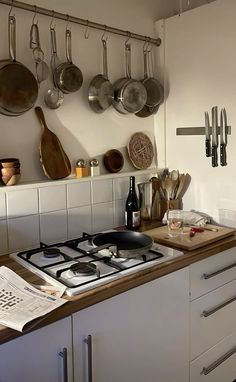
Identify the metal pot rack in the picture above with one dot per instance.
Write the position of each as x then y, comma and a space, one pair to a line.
76, 20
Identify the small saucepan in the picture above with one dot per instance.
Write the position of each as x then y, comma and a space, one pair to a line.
129, 95
68, 76
155, 90
129, 244
101, 92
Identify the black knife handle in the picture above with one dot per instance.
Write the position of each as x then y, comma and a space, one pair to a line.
214, 156
208, 147
223, 161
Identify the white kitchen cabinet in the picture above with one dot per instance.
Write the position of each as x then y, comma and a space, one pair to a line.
140, 335
217, 364
35, 357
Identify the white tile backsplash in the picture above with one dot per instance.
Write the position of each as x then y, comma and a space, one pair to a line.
102, 191
78, 194
53, 227
62, 210
120, 188
103, 216
52, 198
3, 237
79, 221
119, 212
23, 232
22, 202
2, 205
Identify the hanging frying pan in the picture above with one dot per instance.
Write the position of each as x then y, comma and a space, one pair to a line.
155, 90
18, 86
68, 76
129, 244
129, 95
101, 92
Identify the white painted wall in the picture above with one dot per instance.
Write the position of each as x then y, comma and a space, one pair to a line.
200, 71
83, 133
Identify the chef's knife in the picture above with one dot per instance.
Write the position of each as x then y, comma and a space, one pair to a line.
214, 154
223, 137
207, 135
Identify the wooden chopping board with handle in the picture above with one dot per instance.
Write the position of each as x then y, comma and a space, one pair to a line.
56, 164
184, 241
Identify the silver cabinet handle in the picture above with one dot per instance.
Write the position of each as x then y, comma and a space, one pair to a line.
207, 276
63, 354
207, 313
88, 341
219, 361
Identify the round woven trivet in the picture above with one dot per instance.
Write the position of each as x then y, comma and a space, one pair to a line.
140, 149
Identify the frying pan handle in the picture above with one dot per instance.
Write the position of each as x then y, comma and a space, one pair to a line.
68, 46
34, 36
53, 41
128, 59
105, 70
40, 115
145, 58
12, 37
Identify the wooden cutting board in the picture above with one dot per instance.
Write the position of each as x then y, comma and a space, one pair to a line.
200, 239
56, 164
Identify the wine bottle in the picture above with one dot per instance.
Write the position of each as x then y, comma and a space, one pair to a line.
132, 211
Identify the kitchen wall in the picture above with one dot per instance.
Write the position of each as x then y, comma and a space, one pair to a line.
40, 210
200, 72
83, 133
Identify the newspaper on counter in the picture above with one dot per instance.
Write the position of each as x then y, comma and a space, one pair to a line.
21, 303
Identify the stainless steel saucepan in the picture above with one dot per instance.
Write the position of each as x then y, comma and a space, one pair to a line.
68, 76
101, 92
129, 95
155, 90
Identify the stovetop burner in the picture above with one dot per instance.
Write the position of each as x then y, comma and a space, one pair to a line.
79, 266
50, 253
83, 268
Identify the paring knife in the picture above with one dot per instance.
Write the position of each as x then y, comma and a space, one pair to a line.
223, 137
207, 135
214, 154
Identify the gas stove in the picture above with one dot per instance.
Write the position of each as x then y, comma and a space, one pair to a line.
78, 265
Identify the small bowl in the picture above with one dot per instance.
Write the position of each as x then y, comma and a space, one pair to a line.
9, 171
10, 162
10, 181
113, 160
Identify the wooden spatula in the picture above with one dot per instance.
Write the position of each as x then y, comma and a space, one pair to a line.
55, 162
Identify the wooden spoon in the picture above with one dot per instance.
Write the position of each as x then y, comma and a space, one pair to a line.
182, 178
55, 162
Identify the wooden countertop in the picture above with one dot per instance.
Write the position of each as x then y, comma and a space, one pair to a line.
104, 292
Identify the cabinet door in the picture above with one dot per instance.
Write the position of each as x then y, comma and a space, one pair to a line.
140, 335
35, 357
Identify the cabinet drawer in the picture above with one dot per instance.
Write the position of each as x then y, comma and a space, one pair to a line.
209, 274
213, 317
217, 364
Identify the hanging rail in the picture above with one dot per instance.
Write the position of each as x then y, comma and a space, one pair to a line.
76, 20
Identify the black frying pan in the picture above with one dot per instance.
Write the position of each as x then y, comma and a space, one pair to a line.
129, 244
18, 86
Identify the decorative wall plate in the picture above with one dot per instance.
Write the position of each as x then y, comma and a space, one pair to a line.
140, 150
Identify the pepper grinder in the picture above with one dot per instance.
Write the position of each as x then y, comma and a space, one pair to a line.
94, 167
81, 169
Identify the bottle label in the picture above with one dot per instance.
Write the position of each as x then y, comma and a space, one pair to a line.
135, 219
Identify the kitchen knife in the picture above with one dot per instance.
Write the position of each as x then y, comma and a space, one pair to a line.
214, 153
207, 135
223, 137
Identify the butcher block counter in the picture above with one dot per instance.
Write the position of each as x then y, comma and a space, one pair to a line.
91, 297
